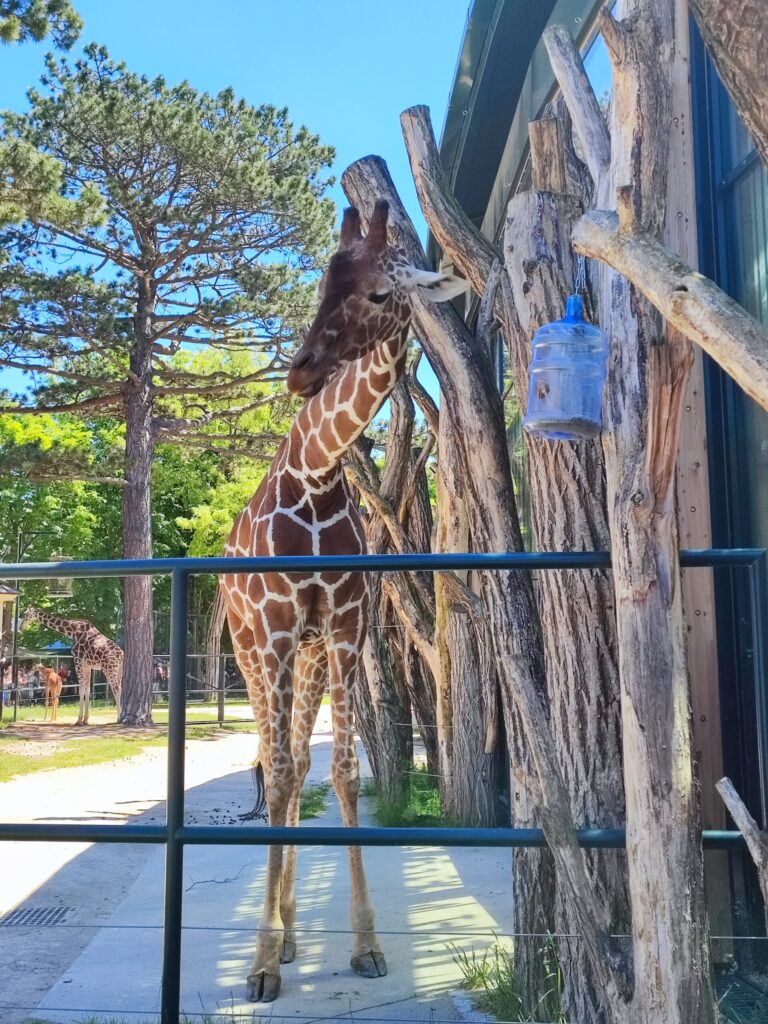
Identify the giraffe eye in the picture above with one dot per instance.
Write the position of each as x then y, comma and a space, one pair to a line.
377, 298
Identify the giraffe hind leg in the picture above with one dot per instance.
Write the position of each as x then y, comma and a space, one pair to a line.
263, 980
343, 656
310, 674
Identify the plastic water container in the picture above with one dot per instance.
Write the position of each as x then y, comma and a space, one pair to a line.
567, 374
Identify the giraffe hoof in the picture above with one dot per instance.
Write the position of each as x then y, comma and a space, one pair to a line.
262, 987
369, 965
288, 952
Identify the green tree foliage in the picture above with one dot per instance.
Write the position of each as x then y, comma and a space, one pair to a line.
157, 220
23, 20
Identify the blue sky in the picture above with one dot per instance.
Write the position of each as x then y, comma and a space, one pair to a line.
344, 68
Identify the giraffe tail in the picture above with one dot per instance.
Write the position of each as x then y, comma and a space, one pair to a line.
259, 812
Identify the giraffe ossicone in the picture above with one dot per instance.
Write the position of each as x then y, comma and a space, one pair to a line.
91, 650
293, 632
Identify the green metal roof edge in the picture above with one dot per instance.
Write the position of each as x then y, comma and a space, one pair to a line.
482, 17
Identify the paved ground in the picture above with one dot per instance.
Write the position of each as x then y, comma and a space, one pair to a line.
106, 958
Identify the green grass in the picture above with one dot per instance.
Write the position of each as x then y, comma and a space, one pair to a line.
72, 755
195, 712
492, 978
420, 806
314, 800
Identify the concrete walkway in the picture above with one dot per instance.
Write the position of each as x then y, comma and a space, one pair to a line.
106, 958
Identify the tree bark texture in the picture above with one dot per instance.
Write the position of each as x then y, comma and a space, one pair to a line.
736, 35
418, 675
648, 374
384, 668
469, 390
469, 783
568, 504
136, 697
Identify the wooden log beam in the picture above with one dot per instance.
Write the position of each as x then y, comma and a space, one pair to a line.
454, 231
736, 35
689, 301
756, 838
468, 387
582, 103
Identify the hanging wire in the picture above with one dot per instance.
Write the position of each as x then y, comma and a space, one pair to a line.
580, 284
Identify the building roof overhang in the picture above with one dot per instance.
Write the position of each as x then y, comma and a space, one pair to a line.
499, 39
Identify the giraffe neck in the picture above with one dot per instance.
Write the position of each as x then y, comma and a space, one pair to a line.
330, 422
66, 626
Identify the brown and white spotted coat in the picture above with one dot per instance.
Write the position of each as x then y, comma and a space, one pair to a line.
294, 632
91, 650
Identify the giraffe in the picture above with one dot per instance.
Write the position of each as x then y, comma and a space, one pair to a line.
53, 684
292, 632
90, 650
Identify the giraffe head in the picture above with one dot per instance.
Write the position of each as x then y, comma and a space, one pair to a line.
30, 615
364, 300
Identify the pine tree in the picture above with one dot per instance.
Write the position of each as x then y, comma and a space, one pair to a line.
156, 220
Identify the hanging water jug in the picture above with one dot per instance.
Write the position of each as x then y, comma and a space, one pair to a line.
567, 374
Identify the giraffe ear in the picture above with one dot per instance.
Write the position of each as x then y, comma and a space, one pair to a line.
376, 239
430, 285
350, 228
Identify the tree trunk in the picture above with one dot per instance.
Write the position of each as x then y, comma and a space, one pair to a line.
468, 388
469, 781
419, 679
567, 494
736, 35
216, 623
647, 382
388, 701
568, 504
384, 668
136, 698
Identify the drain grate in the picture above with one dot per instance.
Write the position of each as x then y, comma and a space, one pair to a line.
740, 1001
37, 917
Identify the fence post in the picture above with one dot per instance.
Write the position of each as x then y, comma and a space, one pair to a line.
222, 676
174, 851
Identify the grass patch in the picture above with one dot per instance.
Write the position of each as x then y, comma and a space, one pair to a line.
72, 755
494, 982
313, 800
419, 806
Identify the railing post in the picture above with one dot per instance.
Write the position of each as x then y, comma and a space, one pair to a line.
174, 851
221, 679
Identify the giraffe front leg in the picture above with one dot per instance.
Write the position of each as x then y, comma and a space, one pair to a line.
344, 657
263, 983
310, 675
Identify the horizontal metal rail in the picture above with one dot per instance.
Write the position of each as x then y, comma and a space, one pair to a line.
175, 836
316, 835
524, 560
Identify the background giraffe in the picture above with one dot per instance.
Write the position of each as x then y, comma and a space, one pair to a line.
53, 683
90, 650
292, 632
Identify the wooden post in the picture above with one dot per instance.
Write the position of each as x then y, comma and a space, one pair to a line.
693, 505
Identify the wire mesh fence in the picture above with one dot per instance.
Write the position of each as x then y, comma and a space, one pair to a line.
176, 834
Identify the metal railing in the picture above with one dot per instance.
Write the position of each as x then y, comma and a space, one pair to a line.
176, 835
